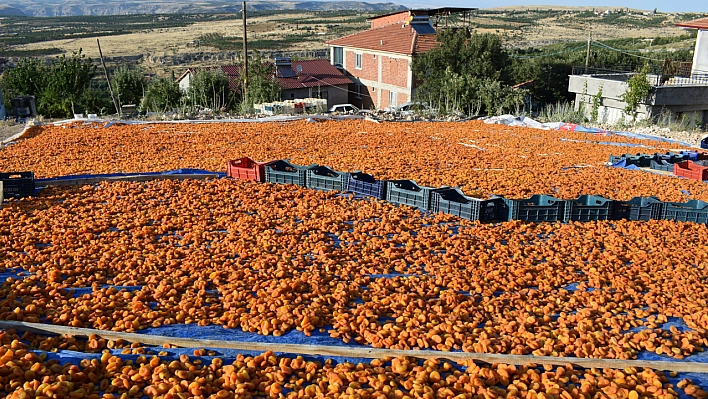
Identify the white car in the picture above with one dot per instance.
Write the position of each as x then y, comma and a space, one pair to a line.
344, 108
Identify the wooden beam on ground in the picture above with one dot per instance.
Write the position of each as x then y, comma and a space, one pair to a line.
132, 178
357, 352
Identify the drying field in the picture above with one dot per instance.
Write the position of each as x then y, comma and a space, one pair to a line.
283, 263
482, 159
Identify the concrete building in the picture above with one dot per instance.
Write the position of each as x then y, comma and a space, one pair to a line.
700, 54
379, 60
297, 79
678, 93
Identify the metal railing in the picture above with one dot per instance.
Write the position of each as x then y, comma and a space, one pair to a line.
658, 75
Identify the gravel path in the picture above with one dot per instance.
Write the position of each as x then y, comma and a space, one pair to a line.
9, 130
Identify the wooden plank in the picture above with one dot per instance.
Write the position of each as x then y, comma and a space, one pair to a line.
132, 178
358, 352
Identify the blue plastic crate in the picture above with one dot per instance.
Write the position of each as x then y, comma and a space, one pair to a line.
324, 178
589, 208
691, 211
365, 184
692, 155
454, 202
538, 208
638, 208
283, 172
408, 192
662, 165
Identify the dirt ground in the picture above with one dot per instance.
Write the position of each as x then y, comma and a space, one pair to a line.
9, 129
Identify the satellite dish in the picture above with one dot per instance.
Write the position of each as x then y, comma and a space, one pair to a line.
299, 68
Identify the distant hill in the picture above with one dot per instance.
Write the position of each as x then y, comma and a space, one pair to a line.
6, 11
53, 8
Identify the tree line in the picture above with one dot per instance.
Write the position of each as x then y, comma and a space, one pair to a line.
71, 84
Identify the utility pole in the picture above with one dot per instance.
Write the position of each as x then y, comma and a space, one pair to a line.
105, 71
245, 57
587, 54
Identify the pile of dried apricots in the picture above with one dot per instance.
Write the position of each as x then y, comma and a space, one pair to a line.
482, 159
204, 375
270, 259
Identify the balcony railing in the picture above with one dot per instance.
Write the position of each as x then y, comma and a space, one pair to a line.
674, 75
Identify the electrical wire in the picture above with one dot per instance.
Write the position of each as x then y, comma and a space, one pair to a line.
626, 53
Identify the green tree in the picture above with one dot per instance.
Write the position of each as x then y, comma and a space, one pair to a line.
452, 74
129, 85
262, 85
638, 88
209, 88
27, 78
161, 96
69, 78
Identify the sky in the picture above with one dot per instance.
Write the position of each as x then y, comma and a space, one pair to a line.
662, 5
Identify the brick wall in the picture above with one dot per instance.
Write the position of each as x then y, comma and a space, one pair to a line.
401, 17
369, 65
394, 71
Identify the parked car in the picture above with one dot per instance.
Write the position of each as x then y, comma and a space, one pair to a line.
348, 109
344, 108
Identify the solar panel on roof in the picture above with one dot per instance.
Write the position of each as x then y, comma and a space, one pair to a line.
423, 29
286, 72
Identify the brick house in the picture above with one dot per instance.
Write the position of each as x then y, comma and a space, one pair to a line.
380, 59
297, 79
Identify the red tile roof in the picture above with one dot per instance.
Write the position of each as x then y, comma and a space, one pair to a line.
696, 23
312, 73
398, 38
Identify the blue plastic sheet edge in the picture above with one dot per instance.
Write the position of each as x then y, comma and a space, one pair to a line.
183, 171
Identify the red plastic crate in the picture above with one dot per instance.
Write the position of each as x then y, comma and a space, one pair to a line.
246, 169
690, 170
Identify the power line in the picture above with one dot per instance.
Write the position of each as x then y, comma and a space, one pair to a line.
627, 53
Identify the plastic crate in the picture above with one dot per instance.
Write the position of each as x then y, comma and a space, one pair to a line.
324, 178
704, 142
408, 192
691, 211
662, 165
17, 184
691, 155
638, 208
590, 207
365, 184
246, 169
538, 208
690, 170
454, 202
283, 172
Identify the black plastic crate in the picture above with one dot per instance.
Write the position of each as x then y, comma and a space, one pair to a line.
662, 165
17, 184
365, 184
538, 208
704, 142
638, 208
324, 178
691, 211
454, 202
283, 172
408, 192
589, 208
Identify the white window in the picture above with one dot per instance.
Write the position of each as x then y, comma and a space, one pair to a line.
357, 61
374, 56
392, 99
358, 90
373, 89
